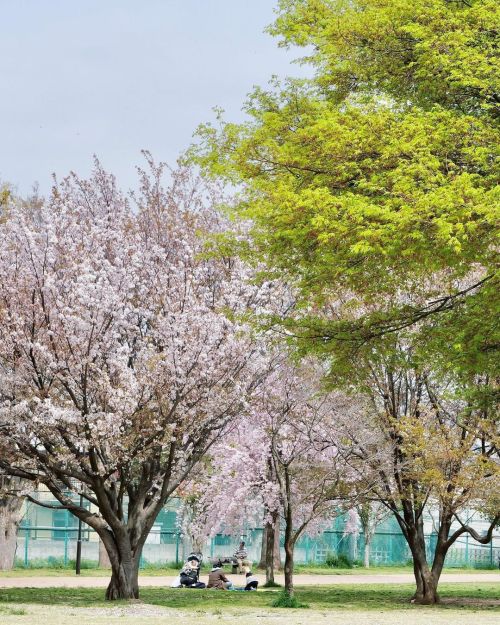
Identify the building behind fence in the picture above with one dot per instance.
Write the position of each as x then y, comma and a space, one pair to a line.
48, 537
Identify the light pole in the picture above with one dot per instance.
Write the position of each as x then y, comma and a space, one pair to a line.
78, 565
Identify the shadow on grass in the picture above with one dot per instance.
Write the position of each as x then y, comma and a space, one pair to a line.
352, 597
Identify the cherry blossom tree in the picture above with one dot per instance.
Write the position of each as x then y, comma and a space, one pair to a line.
314, 481
233, 491
281, 463
122, 358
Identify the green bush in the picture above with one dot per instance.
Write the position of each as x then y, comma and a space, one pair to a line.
338, 561
284, 600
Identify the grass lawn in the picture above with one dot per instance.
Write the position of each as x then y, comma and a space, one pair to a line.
463, 604
484, 596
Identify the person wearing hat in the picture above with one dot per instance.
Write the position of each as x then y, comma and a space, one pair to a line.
217, 579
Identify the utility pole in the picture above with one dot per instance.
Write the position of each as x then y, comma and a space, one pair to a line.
79, 542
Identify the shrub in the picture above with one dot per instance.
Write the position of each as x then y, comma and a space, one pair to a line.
283, 600
338, 561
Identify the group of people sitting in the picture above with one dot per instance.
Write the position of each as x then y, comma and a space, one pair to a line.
189, 576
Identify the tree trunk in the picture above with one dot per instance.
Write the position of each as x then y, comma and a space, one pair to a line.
269, 531
289, 548
10, 516
270, 558
426, 592
124, 583
273, 560
366, 551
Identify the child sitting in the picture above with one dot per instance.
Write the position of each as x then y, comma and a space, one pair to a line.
252, 581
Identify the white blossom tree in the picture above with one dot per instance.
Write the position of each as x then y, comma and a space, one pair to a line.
281, 463
121, 356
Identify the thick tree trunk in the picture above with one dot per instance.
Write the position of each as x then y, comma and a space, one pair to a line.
124, 583
426, 592
427, 583
10, 516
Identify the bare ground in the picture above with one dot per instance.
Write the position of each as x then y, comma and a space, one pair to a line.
72, 581
144, 614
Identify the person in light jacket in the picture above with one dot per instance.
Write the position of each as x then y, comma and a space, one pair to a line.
241, 557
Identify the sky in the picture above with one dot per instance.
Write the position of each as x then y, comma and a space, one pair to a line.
113, 77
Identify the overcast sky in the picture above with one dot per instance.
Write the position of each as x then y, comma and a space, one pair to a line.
112, 77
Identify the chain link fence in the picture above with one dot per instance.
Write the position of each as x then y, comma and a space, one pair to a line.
48, 537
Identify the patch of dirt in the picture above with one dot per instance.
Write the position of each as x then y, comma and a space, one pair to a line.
146, 614
476, 602
132, 610
72, 581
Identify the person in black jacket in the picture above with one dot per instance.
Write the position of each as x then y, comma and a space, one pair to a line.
189, 575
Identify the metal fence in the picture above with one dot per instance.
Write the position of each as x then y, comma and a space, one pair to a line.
55, 546
48, 537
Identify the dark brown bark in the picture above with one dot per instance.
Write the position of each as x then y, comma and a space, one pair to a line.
289, 549
426, 581
426, 577
124, 558
270, 558
272, 548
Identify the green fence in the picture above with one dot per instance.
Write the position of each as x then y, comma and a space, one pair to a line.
49, 538
55, 546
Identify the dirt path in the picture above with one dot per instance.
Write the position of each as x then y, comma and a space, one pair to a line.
144, 614
300, 580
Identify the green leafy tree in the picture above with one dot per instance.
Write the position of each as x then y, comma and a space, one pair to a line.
423, 447
380, 177
372, 190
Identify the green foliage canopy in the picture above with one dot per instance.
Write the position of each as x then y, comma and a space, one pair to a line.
376, 183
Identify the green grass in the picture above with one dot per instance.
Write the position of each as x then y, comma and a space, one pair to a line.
8, 611
283, 600
351, 597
